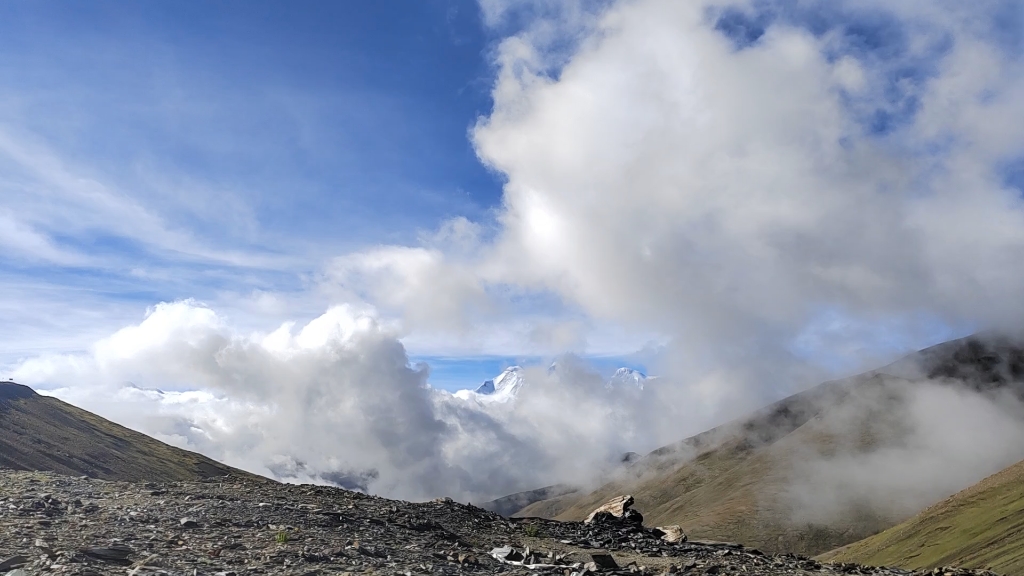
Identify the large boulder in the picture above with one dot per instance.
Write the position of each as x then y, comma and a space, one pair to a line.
616, 509
671, 534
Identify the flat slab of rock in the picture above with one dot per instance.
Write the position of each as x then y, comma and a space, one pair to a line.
113, 553
13, 562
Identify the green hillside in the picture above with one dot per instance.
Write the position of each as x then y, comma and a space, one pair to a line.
980, 527
735, 482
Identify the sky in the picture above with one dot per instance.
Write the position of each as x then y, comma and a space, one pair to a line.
165, 151
258, 207
225, 153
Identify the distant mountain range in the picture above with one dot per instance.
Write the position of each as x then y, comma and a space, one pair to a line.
506, 386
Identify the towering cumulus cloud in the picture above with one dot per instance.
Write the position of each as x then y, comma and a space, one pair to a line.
765, 186
732, 172
337, 401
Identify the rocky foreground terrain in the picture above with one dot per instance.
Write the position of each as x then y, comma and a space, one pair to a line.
53, 524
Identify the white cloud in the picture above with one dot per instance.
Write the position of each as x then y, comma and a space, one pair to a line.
899, 447
420, 283
19, 239
337, 398
48, 195
725, 197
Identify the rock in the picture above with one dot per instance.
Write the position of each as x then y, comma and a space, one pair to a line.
633, 516
13, 562
113, 553
532, 559
506, 553
604, 561
616, 507
188, 523
671, 534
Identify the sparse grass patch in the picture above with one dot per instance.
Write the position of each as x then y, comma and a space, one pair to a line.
282, 537
532, 530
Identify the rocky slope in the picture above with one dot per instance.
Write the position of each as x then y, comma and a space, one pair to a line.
733, 482
980, 527
54, 524
43, 433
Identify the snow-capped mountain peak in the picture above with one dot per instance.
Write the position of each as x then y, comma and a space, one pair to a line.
507, 385
628, 377
502, 388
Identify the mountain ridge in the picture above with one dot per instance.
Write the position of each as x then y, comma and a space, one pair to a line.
44, 433
734, 482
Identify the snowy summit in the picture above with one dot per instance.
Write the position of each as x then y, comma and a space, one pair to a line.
628, 377
506, 386
502, 388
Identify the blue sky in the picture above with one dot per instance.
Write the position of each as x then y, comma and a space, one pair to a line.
348, 120
251, 141
237, 124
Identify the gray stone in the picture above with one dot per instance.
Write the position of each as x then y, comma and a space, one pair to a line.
605, 561
13, 562
113, 553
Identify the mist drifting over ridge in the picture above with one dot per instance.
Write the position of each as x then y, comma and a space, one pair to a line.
758, 187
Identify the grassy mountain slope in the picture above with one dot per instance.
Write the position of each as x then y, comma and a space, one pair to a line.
43, 433
735, 488
736, 482
980, 527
